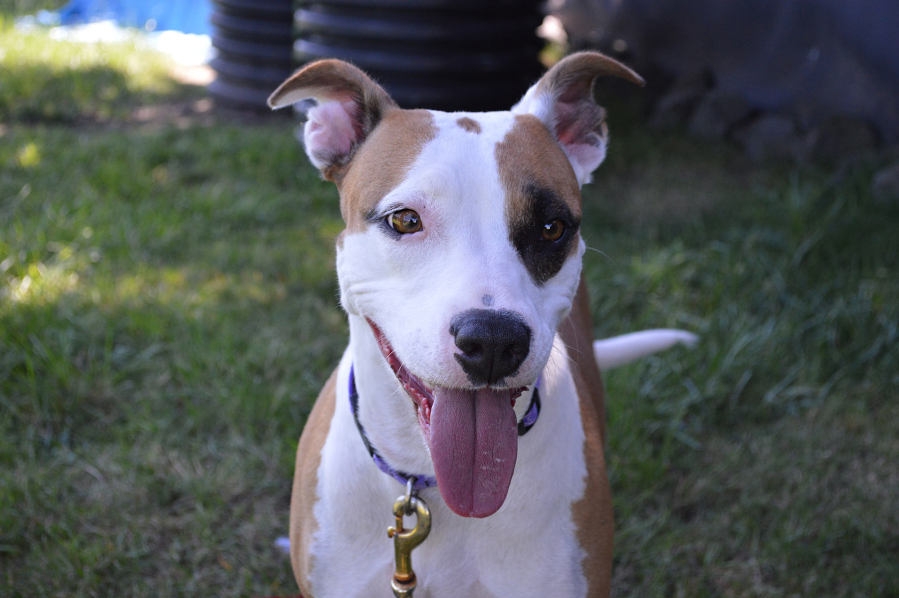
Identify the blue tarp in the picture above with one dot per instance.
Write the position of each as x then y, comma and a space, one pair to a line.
188, 16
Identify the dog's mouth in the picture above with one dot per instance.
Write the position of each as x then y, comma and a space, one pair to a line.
422, 396
472, 435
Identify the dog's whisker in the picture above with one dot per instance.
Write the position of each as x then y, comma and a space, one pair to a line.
572, 348
566, 354
602, 253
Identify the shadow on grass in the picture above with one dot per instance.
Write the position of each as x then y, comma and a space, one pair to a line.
18, 8
36, 93
747, 466
47, 81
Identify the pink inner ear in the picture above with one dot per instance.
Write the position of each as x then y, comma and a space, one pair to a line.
575, 122
580, 130
330, 129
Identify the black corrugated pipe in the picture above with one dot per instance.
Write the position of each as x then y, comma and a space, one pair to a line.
253, 40
444, 54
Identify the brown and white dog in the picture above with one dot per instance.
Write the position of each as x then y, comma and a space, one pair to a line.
460, 269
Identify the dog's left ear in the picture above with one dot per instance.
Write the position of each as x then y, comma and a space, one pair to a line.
349, 105
563, 100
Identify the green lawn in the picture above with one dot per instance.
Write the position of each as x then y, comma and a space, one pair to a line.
168, 311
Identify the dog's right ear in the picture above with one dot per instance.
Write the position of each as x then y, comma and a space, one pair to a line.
349, 105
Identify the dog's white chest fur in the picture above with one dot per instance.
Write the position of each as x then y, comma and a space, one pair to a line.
527, 548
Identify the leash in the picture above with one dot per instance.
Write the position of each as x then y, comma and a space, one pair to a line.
404, 541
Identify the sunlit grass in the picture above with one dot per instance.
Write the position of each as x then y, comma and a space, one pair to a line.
42, 79
159, 334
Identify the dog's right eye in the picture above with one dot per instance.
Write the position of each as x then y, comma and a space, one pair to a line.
404, 221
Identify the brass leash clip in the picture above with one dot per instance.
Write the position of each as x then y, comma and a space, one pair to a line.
404, 541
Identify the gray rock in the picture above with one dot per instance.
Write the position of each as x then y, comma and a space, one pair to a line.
841, 137
812, 58
885, 184
676, 106
770, 137
717, 113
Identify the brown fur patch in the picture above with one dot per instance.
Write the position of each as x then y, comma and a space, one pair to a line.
572, 77
529, 156
577, 332
593, 513
532, 164
472, 126
382, 163
327, 80
305, 482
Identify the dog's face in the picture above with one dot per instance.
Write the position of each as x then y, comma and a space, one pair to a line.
462, 249
480, 232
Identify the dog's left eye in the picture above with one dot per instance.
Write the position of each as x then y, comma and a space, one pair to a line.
552, 231
404, 221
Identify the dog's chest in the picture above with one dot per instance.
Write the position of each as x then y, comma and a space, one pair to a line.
528, 548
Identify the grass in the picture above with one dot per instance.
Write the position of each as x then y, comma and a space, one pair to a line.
758, 464
160, 339
71, 83
18, 8
168, 312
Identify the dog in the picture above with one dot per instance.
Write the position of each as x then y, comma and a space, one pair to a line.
470, 369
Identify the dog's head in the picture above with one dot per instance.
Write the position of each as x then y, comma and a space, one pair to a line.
462, 248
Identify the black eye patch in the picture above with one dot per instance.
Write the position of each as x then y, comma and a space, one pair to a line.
527, 221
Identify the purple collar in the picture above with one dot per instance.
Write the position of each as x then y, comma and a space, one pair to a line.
420, 482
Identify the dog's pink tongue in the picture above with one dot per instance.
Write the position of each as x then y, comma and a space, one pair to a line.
474, 444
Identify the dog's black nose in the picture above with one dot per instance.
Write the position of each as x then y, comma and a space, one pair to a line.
493, 343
